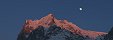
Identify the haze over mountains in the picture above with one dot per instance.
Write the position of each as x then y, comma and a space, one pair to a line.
51, 28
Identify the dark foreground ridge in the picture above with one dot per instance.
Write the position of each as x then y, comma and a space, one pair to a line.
50, 28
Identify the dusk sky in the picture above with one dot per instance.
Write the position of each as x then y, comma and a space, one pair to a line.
96, 15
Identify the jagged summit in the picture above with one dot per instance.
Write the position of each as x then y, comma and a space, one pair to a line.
49, 20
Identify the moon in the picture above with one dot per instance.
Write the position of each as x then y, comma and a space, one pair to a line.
80, 9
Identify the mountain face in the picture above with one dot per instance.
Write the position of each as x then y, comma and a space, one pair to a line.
50, 28
53, 33
109, 36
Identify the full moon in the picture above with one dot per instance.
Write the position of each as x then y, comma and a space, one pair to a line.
80, 9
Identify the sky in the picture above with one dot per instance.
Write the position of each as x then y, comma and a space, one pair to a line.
96, 15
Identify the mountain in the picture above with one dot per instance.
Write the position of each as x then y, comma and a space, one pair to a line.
50, 28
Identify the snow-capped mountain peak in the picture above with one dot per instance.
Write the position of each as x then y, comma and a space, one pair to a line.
49, 20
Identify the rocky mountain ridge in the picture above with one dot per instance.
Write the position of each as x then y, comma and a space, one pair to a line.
46, 23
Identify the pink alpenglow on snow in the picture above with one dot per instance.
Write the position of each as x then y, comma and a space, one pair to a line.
49, 20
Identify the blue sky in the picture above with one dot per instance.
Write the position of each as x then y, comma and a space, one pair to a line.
96, 15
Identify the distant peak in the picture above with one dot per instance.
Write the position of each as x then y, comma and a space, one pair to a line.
50, 14
49, 20
48, 17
